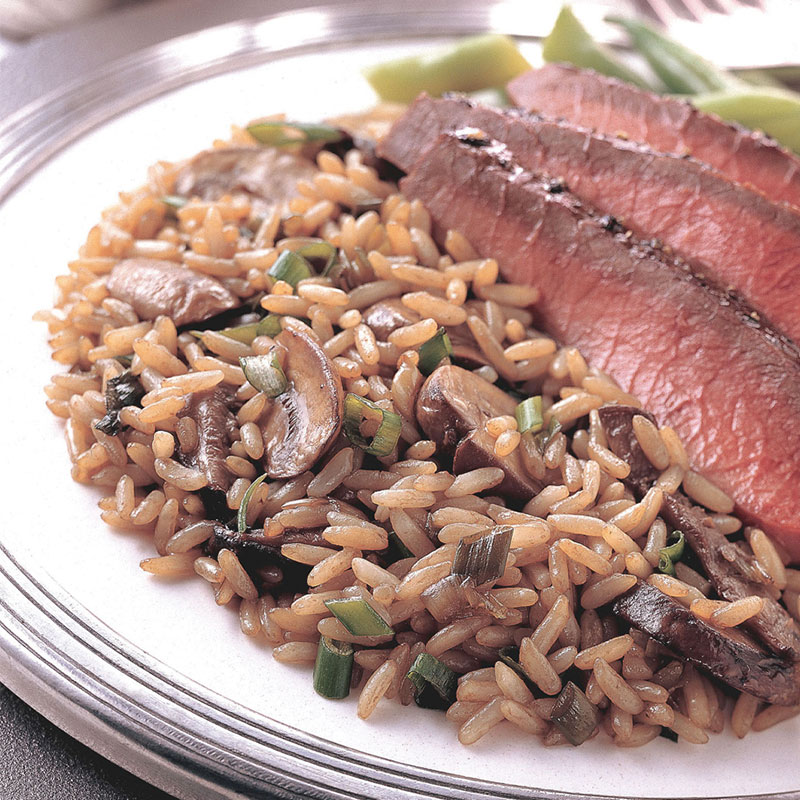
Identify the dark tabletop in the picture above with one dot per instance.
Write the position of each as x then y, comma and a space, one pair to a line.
40, 762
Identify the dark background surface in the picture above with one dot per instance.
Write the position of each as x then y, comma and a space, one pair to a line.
40, 762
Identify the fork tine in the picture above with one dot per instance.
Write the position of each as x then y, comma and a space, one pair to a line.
664, 11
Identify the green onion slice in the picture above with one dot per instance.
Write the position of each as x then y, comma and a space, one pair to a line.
265, 373
510, 657
333, 668
574, 715
241, 514
269, 326
397, 549
359, 617
543, 438
672, 553
529, 415
434, 683
433, 351
356, 411
279, 133
322, 252
483, 555
291, 268
175, 201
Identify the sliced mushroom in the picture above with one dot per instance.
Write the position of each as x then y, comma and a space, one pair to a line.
211, 412
305, 420
728, 655
267, 175
452, 407
161, 288
386, 316
261, 556
729, 566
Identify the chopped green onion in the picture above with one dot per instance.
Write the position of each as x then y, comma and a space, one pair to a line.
278, 133
359, 617
482, 556
672, 553
241, 514
529, 415
397, 549
321, 251
434, 683
433, 351
477, 62
510, 657
126, 361
290, 268
269, 326
264, 373
175, 201
333, 668
357, 410
574, 715
122, 390
543, 438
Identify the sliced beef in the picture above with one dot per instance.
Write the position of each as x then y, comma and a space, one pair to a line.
269, 176
691, 353
155, 287
452, 408
211, 412
616, 108
693, 208
726, 654
730, 567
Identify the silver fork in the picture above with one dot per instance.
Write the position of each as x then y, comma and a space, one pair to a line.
733, 33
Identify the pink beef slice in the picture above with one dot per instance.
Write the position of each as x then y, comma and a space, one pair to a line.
691, 353
686, 204
615, 108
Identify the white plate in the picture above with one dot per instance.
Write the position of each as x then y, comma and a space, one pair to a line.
152, 673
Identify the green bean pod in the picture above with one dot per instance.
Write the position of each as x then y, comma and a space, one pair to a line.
475, 63
570, 42
682, 70
774, 111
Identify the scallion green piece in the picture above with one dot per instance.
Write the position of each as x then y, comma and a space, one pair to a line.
359, 409
529, 415
359, 617
482, 556
269, 326
543, 438
397, 550
279, 133
264, 373
510, 657
241, 514
290, 268
175, 201
333, 668
433, 351
321, 254
574, 715
672, 553
434, 683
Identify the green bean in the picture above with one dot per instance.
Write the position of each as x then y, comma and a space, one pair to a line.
569, 41
478, 62
774, 111
682, 70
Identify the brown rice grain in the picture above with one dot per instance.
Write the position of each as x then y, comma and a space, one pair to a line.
296, 653
170, 566
616, 689
609, 463
606, 589
610, 650
236, 575
475, 481
738, 611
148, 509
583, 555
677, 453
538, 668
208, 569
454, 634
481, 722
772, 715
702, 491
687, 729
767, 557
651, 442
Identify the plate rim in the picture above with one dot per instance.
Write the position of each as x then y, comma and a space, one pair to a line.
54, 653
